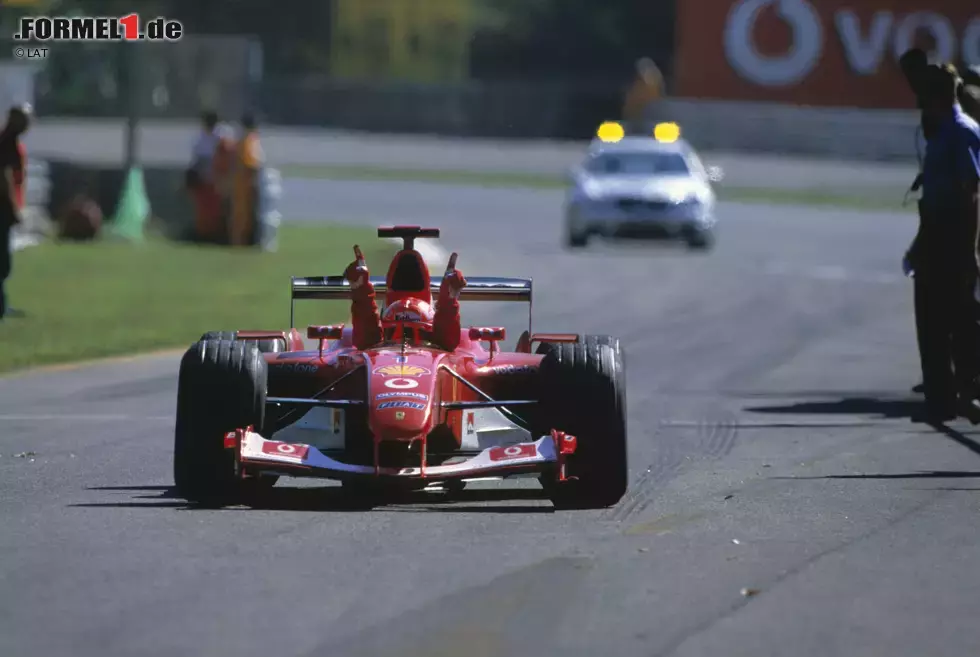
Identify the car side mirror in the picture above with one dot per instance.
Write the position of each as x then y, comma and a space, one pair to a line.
490, 334
329, 332
716, 174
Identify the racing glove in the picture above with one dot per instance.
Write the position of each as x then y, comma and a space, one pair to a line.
365, 318
359, 277
452, 284
446, 323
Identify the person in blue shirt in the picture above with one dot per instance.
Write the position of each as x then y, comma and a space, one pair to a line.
944, 254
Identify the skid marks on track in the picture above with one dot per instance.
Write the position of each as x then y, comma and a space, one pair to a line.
715, 432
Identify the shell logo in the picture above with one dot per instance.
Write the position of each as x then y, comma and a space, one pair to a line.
402, 370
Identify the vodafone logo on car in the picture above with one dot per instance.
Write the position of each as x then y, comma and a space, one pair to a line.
865, 43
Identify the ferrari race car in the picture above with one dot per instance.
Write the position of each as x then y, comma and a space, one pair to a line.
253, 406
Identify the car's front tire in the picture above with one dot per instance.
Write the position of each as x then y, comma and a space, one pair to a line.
583, 393
701, 240
221, 387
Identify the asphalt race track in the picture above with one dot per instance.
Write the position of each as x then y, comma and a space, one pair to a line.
782, 502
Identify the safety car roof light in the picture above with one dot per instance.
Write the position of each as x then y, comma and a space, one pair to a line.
667, 133
611, 132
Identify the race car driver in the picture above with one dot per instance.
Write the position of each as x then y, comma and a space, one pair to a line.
409, 297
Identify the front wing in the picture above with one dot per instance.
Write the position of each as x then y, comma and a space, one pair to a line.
255, 454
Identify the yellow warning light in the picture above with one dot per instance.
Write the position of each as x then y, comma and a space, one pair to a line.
667, 132
610, 132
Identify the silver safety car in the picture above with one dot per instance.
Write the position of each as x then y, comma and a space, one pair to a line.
646, 186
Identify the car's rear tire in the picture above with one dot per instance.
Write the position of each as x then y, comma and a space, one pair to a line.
267, 346
583, 393
221, 387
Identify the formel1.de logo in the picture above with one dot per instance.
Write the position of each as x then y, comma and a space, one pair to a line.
98, 28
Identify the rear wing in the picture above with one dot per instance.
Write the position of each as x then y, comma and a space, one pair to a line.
478, 288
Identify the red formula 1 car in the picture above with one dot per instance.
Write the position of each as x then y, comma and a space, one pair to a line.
256, 405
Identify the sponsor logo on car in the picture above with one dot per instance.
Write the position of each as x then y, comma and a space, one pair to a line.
401, 404
509, 369
275, 448
513, 452
470, 422
399, 415
407, 317
402, 370
409, 395
401, 384
299, 368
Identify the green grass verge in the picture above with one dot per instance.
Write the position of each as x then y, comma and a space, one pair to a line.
87, 301
869, 199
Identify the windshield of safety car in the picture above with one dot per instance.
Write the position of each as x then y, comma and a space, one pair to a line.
627, 164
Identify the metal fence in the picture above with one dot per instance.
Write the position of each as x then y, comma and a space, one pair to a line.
472, 109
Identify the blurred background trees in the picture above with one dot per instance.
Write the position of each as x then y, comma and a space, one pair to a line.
478, 62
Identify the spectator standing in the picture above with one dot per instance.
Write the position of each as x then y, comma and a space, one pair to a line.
645, 93
944, 252
249, 160
206, 178
914, 64
13, 162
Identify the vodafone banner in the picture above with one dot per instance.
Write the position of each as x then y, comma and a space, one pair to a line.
816, 52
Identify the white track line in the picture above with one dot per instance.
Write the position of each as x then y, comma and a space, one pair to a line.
784, 423
84, 418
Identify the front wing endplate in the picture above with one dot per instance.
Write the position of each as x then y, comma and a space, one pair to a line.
255, 453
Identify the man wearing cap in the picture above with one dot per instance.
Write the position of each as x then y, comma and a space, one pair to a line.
13, 163
944, 253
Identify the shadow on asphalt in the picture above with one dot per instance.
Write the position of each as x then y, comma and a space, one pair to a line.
934, 474
335, 499
886, 408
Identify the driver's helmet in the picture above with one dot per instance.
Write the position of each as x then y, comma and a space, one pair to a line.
408, 310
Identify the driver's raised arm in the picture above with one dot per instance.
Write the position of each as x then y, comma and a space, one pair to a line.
365, 318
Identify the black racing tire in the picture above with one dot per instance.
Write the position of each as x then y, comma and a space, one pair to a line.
701, 240
576, 241
265, 346
546, 347
221, 387
583, 393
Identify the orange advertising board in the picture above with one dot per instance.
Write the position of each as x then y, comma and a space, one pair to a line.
816, 52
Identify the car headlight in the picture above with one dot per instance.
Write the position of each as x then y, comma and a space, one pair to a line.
590, 189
